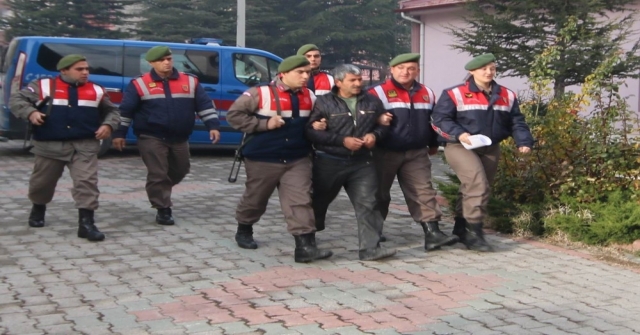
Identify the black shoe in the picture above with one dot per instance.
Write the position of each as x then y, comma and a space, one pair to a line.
36, 217
164, 217
475, 238
434, 238
383, 238
244, 237
307, 250
460, 229
375, 254
87, 229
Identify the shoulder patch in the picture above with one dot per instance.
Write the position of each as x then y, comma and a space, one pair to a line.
247, 94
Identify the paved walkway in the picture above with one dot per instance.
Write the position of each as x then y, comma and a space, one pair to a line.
191, 278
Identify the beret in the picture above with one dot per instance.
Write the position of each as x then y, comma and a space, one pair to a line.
306, 48
157, 52
479, 61
405, 58
69, 60
292, 62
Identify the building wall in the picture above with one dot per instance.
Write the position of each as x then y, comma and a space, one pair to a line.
444, 67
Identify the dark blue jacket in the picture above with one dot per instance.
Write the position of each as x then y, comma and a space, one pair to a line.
465, 108
285, 144
411, 124
169, 112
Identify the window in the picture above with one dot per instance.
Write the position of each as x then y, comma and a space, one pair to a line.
203, 64
253, 69
103, 59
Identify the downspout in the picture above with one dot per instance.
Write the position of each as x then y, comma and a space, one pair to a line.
410, 19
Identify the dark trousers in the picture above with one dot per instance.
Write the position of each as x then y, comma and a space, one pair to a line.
476, 170
413, 169
83, 170
293, 181
167, 164
358, 177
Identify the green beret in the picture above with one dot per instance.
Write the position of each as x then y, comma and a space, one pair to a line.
292, 62
157, 52
479, 61
306, 48
405, 58
69, 60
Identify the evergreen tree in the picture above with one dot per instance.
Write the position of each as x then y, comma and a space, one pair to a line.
92, 19
177, 21
349, 30
516, 31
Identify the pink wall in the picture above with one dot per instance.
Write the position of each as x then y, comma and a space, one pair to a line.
444, 67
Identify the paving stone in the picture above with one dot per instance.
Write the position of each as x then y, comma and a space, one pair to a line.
145, 277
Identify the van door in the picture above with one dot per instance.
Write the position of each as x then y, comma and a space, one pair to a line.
247, 68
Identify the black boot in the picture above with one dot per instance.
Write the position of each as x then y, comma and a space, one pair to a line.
244, 237
475, 238
36, 217
307, 250
383, 238
87, 228
164, 217
375, 253
460, 228
434, 238
319, 225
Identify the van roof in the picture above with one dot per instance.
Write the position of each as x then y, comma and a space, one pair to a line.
132, 42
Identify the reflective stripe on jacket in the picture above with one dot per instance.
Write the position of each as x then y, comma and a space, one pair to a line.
166, 108
411, 109
466, 108
74, 112
287, 142
323, 83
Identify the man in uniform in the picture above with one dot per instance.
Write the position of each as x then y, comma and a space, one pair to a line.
343, 156
405, 152
277, 156
66, 132
320, 82
162, 105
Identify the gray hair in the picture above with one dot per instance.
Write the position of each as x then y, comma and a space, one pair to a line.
341, 71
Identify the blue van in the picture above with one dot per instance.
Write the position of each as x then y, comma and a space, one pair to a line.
225, 73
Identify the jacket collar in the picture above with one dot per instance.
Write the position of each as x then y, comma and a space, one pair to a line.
174, 75
284, 87
335, 89
414, 88
495, 88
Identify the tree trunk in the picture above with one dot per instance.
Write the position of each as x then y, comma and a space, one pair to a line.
558, 87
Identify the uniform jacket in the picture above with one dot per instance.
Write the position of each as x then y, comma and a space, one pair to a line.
341, 124
165, 108
465, 108
322, 83
77, 111
251, 111
411, 124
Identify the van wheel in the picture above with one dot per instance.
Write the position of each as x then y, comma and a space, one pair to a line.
105, 145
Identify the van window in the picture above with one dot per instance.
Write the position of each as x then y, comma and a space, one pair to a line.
103, 59
253, 69
8, 56
203, 64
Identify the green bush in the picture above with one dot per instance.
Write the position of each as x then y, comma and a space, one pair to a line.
583, 176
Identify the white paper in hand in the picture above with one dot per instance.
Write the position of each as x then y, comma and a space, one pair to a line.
477, 141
